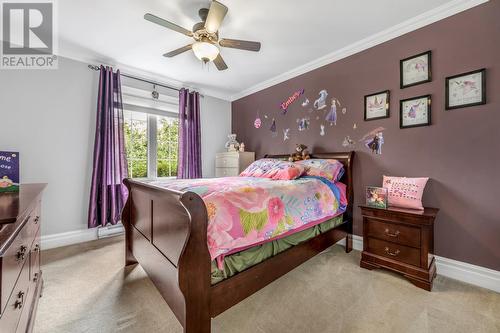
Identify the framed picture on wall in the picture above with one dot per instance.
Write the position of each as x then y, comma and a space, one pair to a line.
377, 105
415, 70
467, 89
414, 112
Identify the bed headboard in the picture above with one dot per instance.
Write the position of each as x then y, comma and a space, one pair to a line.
346, 158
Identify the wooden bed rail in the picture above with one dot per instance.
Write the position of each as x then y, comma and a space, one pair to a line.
166, 224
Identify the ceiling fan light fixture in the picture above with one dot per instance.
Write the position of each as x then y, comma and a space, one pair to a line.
205, 51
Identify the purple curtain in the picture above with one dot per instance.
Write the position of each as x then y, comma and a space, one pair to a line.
189, 164
107, 193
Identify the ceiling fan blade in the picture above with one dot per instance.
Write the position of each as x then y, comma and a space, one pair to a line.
215, 16
240, 44
220, 63
177, 51
167, 24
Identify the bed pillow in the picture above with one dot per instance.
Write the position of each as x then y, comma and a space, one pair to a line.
405, 192
327, 168
273, 169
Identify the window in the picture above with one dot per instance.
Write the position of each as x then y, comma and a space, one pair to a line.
151, 129
151, 143
136, 143
167, 143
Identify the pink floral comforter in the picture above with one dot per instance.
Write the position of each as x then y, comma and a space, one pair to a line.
246, 211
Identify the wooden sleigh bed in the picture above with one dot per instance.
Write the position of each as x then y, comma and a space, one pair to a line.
166, 233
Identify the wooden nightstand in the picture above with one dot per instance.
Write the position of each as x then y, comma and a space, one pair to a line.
231, 164
401, 240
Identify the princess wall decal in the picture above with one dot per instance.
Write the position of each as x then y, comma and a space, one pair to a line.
273, 128
331, 117
320, 103
322, 130
374, 140
286, 132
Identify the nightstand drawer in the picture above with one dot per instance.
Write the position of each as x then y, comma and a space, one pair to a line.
227, 162
226, 172
393, 232
394, 251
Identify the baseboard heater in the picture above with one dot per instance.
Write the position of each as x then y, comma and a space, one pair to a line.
110, 231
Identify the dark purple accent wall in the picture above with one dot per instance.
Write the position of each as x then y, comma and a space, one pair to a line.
460, 151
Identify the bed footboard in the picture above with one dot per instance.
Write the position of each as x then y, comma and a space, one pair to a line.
166, 232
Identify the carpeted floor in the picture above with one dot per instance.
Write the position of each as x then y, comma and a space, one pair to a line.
88, 290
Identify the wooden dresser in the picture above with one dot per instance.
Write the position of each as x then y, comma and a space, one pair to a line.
231, 164
401, 240
20, 274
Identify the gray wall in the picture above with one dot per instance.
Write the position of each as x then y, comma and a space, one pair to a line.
49, 117
215, 126
459, 151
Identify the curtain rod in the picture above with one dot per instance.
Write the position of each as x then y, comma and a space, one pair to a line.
96, 68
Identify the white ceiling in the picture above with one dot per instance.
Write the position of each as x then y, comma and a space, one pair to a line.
292, 33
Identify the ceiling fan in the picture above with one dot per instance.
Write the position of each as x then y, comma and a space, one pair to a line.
206, 36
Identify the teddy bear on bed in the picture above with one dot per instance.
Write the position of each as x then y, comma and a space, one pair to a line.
301, 153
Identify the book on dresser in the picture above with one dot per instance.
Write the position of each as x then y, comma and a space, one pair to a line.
20, 274
231, 164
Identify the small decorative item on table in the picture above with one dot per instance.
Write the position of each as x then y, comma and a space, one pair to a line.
401, 240
376, 197
232, 144
9, 171
467, 89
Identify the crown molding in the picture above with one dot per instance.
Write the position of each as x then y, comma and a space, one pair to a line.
417, 22
90, 60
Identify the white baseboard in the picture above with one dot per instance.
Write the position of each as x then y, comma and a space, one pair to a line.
458, 270
80, 236
68, 238
462, 271
454, 269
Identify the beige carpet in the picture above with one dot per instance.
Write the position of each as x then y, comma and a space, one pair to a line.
88, 290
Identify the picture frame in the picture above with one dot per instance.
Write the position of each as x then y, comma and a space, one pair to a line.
376, 197
415, 70
415, 112
466, 89
377, 105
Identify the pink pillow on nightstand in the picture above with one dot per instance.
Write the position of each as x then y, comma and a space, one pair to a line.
405, 192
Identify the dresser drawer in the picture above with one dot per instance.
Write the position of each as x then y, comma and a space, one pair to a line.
12, 262
35, 259
17, 303
394, 251
227, 162
393, 232
226, 172
33, 225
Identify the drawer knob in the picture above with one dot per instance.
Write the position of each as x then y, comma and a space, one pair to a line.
21, 254
394, 254
20, 300
390, 234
